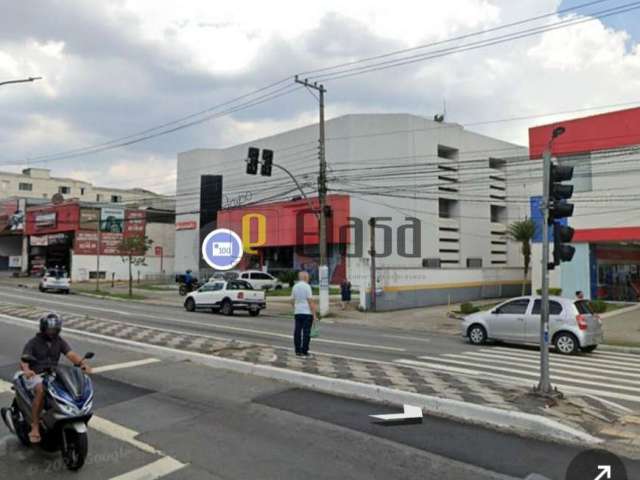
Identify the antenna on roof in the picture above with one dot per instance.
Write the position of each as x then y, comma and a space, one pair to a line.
439, 117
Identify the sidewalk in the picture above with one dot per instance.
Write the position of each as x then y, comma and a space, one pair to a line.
505, 404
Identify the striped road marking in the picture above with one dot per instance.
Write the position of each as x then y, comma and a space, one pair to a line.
609, 375
151, 471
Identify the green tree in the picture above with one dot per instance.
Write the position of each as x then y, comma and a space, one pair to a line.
133, 250
523, 231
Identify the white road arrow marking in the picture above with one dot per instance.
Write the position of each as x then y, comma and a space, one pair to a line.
604, 470
410, 413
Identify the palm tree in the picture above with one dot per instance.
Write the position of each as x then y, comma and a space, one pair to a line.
523, 231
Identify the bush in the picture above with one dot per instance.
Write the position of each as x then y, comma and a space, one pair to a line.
552, 291
467, 308
598, 306
288, 277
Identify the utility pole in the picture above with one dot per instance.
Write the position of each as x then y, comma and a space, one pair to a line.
552, 193
323, 269
372, 253
99, 240
544, 385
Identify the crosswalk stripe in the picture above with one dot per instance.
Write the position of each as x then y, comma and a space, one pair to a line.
534, 374
518, 381
525, 364
622, 355
601, 356
634, 372
583, 360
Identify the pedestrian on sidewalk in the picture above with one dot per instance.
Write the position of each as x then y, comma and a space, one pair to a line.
345, 293
304, 311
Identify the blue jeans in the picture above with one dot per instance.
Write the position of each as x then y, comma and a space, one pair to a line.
302, 333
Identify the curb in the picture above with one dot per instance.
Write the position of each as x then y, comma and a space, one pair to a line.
535, 425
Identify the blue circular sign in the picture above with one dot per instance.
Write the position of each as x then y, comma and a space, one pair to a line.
222, 249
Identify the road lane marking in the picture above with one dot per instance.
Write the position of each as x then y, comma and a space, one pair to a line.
515, 381
535, 363
119, 366
214, 326
67, 304
121, 433
531, 374
152, 471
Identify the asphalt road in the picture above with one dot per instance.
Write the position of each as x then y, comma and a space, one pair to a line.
197, 422
608, 375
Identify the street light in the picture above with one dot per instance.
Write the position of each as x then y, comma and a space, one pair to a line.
24, 80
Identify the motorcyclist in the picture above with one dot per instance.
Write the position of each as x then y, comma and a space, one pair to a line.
45, 350
188, 280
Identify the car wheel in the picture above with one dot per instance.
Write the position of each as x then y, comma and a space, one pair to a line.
254, 313
190, 304
41, 288
566, 343
278, 287
477, 334
589, 349
226, 308
215, 310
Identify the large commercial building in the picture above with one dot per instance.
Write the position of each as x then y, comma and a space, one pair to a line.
438, 193
605, 152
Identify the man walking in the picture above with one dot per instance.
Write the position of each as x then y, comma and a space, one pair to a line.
304, 310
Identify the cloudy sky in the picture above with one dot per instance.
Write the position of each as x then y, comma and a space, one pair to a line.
113, 68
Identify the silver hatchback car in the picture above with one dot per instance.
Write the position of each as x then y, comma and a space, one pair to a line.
572, 324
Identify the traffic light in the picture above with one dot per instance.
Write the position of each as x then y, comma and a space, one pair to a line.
559, 208
267, 162
252, 160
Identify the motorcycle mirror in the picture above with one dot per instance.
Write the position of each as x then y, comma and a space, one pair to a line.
27, 358
89, 355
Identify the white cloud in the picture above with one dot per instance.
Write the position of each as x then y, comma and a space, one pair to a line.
115, 68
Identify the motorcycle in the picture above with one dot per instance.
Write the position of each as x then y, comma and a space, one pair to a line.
184, 288
68, 407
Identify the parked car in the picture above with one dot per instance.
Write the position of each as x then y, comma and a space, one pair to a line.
572, 324
55, 280
226, 297
261, 280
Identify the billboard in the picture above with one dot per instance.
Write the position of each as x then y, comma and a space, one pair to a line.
112, 220
89, 219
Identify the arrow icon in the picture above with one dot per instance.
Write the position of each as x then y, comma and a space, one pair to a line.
604, 470
410, 415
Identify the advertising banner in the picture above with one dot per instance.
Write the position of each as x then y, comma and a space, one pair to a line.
89, 219
15, 262
112, 220
45, 220
186, 225
135, 222
86, 243
39, 241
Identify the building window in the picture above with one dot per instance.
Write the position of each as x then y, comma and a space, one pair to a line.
98, 197
448, 152
498, 214
431, 262
474, 262
25, 187
497, 163
116, 198
5, 185
447, 208
81, 190
64, 190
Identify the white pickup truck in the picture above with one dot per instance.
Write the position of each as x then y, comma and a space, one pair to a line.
225, 297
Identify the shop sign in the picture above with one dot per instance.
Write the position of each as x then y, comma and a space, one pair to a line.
135, 223
57, 239
44, 220
41, 241
186, 225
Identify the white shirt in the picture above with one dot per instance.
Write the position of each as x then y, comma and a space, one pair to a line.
301, 293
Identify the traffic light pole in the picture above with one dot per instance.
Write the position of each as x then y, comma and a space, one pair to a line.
323, 270
544, 386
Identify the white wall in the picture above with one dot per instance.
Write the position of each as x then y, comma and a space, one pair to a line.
81, 265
